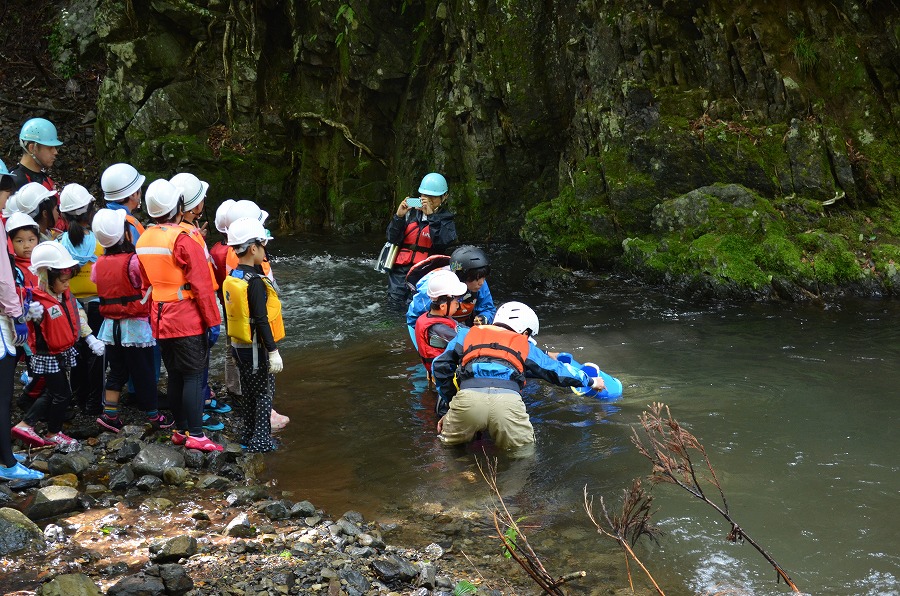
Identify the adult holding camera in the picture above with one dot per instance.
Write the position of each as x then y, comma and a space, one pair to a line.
422, 226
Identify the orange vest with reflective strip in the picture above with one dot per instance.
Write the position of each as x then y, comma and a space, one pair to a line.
137, 225
195, 233
491, 341
155, 249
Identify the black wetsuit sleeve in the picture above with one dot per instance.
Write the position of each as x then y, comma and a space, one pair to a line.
256, 301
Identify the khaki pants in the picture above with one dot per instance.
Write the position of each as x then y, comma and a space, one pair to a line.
499, 411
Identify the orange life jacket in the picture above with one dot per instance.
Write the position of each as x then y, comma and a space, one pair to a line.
491, 341
155, 249
195, 233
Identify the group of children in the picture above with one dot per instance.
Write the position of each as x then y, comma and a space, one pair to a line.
477, 356
92, 301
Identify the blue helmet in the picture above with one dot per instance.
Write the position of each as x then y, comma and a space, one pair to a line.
3, 170
41, 131
433, 185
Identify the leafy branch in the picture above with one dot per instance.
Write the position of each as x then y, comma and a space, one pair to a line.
669, 448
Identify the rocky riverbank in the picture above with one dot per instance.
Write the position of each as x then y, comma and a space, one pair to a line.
130, 513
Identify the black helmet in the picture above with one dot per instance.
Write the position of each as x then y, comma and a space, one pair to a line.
469, 263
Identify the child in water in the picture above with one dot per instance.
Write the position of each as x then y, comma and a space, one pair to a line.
253, 312
435, 328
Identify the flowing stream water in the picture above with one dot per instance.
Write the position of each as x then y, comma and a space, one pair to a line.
796, 405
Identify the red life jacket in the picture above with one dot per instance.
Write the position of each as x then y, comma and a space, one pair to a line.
416, 243
497, 343
219, 253
423, 325
119, 299
24, 277
58, 329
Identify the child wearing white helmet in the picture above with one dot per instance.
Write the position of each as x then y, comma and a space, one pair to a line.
241, 209
121, 184
126, 322
13, 333
184, 314
54, 328
41, 204
434, 329
77, 207
253, 312
482, 372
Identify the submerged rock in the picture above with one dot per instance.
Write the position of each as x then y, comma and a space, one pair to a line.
51, 501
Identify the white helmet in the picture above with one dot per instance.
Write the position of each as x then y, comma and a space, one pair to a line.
12, 206
518, 317
247, 229
162, 198
30, 197
444, 282
245, 208
50, 255
222, 220
19, 220
194, 189
109, 226
119, 181
74, 199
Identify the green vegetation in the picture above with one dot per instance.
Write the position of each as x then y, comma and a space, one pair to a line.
805, 54
465, 588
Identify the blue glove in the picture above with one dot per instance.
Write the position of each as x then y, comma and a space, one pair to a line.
21, 331
213, 335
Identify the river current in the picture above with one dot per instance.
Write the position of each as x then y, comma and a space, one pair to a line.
796, 405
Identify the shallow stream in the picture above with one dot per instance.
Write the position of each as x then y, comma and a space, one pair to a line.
796, 405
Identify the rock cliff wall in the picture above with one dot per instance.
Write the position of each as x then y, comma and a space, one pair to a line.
563, 122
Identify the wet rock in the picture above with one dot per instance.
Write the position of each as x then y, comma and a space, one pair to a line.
200, 515
240, 527
244, 495
54, 534
303, 509
121, 479
128, 450
157, 504
360, 551
65, 480
115, 569
138, 585
86, 502
427, 576
174, 577
17, 532
211, 481
354, 517
233, 471
17, 485
193, 459
154, 459
348, 528
170, 551
68, 463
313, 520
232, 451
394, 568
51, 501
74, 584
434, 551
148, 483
275, 510
175, 476
215, 460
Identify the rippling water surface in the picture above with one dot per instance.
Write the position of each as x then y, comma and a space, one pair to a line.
797, 406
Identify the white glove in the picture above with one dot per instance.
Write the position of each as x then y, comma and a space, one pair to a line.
35, 311
276, 365
96, 346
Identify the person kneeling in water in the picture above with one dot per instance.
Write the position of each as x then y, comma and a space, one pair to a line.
491, 363
435, 328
